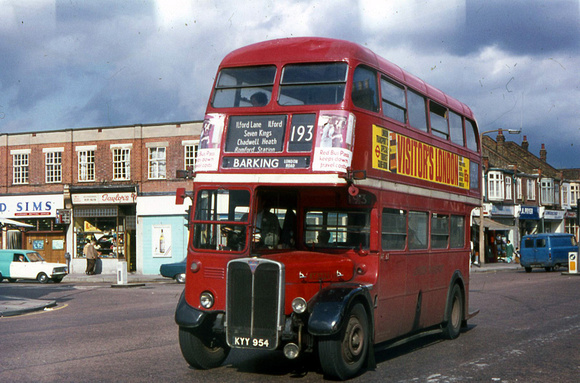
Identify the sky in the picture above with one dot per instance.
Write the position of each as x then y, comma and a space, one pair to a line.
90, 63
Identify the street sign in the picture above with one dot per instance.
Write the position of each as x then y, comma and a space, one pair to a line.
573, 262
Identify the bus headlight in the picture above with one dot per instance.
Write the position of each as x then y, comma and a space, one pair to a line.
299, 305
206, 300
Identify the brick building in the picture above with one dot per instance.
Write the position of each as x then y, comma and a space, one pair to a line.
524, 194
114, 184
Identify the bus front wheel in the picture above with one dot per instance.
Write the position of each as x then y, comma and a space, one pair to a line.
343, 354
202, 351
454, 315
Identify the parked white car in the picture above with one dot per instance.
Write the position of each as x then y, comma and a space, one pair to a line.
28, 264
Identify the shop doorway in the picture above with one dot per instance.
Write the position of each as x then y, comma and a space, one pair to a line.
113, 229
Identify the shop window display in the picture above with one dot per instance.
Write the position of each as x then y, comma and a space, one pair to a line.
106, 233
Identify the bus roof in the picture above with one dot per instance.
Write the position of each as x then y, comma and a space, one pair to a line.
320, 49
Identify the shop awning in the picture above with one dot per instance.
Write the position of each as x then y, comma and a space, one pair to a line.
6, 221
491, 224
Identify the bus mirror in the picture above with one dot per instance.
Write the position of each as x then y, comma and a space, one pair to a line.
180, 196
358, 174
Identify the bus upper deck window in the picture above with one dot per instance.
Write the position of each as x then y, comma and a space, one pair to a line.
364, 89
471, 135
313, 84
244, 87
438, 118
417, 111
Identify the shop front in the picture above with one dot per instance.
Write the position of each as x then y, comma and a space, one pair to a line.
30, 222
530, 220
503, 229
571, 222
163, 232
554, 221
108, 217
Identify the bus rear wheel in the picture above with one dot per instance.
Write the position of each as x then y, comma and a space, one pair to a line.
454, 315
202, 351
343, 355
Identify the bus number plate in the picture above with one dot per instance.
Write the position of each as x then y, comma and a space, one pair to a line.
240, 341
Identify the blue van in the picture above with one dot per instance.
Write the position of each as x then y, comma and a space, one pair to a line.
547, 250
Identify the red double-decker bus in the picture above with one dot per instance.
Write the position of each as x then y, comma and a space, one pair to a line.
331, 208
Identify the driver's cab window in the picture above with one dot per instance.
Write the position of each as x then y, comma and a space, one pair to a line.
275, 221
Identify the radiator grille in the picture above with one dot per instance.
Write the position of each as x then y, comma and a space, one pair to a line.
254, 303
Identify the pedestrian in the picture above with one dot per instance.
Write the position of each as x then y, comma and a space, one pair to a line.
91, 254
509, 252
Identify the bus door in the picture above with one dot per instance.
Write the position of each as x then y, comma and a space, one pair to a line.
390, 314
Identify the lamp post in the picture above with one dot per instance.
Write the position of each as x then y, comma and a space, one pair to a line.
481, 228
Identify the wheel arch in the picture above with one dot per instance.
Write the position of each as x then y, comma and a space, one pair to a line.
456, 279
329, 306
187, 316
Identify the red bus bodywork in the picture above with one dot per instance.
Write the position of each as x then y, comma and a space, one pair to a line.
395, 201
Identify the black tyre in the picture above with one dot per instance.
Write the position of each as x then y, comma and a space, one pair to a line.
57, 280
455, 314
180, 278
42, 278
528, 269
343, 355
11, 280
202, 350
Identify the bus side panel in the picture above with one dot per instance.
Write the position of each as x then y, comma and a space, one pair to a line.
390, 313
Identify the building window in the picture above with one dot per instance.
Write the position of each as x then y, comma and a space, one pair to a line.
20, 169
121, 163
86, 164
519, 192
508, 189
574, 194
547, 191
565, 195
189, 154
495, 186
53, 163
157, 163
531, 190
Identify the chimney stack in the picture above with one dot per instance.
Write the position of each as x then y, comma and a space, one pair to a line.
500, 137
525, 143
543, 153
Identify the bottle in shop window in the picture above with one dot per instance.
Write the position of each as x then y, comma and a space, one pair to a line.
161, 242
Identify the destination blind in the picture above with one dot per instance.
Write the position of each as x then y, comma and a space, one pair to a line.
255, 134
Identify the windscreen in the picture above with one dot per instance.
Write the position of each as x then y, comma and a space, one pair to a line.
220, 219
244, 87
313, 84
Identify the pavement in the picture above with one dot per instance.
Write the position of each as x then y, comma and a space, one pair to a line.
10, 306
